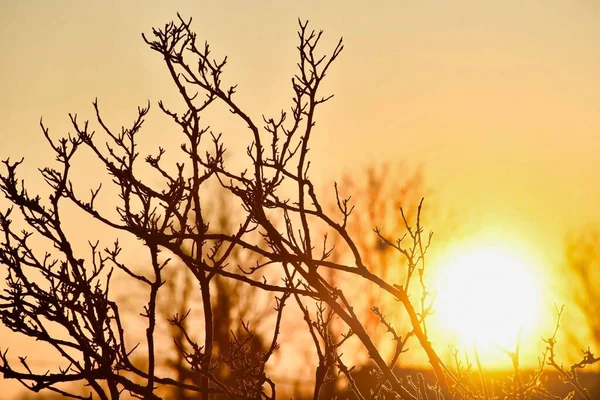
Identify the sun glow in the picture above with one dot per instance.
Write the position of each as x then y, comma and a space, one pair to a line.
489, 296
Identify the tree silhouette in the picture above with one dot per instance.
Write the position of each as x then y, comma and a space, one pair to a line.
228, 307
284, 233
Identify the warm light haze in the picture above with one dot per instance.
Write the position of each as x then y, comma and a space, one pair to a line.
495, 104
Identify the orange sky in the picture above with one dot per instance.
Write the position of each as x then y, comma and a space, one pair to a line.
500, 103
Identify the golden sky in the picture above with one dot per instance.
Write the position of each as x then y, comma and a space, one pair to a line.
499, 102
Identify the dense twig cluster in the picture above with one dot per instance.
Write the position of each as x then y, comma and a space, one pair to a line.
283, 228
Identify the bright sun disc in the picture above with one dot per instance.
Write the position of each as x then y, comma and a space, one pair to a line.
487, 296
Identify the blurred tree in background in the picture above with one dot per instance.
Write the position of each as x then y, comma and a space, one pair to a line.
583, 263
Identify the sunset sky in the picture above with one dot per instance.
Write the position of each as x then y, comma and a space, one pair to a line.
497, 102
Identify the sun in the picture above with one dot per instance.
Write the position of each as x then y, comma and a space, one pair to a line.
488, 295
